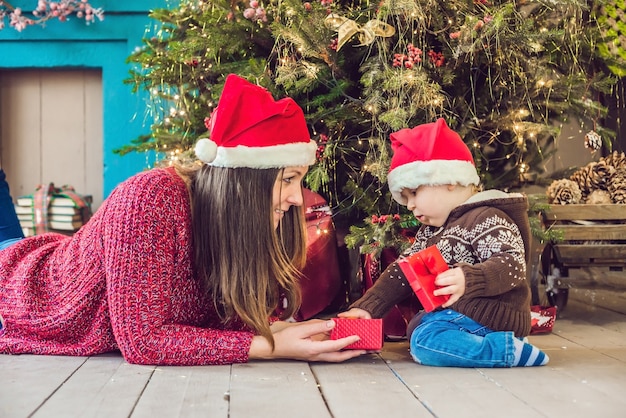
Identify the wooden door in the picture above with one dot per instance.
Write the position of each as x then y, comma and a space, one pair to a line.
51, 129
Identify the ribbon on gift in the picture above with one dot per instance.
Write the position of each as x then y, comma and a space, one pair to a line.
42, 198
347, 28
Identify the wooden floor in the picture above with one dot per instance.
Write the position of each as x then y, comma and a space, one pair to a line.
585, 377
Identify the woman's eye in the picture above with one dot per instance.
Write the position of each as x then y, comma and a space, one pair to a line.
288, 179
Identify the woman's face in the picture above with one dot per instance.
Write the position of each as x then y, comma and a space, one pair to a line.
287, 191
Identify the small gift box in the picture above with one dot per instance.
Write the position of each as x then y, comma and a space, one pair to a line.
370, 331
542, 319
421, 269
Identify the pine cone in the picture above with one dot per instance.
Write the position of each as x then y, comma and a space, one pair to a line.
563, 192
593, 140
616, 159
617, 187
595, 175
599, 197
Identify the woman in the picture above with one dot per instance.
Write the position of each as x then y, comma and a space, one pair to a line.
182, 266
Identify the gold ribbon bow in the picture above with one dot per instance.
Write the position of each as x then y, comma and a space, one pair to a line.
347, 28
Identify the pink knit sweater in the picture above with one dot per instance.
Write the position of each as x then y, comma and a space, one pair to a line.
124, 281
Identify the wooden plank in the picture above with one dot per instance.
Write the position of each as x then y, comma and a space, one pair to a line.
585, 212
20, 124
613, 254
366, 387
27, 381
454, 392
93, 139
610, 299
275, 389
104, 386
580, 380
586, 276
602, 232
63, 127
198, 391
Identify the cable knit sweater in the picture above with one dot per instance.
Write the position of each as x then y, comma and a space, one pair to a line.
488, 237
123, 281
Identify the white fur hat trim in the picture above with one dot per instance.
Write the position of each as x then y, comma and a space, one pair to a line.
300, 154
430, 173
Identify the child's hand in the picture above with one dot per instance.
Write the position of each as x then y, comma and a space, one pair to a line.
451, 282
355, 313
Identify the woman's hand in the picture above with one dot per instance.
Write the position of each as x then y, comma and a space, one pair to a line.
451, 282
355, 313
305, 341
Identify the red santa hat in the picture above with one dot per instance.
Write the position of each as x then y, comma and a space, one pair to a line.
250, 129
429, 154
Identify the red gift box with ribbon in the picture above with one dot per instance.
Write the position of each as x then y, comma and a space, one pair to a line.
369, 330
421, 269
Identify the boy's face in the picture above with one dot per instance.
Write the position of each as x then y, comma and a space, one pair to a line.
431, 205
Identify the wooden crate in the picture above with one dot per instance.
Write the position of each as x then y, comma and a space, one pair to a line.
593, 249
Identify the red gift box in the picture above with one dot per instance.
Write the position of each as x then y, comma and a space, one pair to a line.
421, 269
542, 319
370, 331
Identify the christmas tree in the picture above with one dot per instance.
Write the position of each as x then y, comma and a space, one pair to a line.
504, 74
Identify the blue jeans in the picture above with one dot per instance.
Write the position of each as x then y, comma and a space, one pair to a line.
10, 229
448, 338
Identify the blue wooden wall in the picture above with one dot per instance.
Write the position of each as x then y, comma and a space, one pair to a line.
102, 45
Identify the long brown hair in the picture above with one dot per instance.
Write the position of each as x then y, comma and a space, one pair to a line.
244, 261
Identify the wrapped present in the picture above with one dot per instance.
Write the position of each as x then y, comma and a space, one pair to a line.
421, 269
52, 208
369, 330
542, 319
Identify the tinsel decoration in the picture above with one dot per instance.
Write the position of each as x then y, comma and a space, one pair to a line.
593, 140
563, 192
599, 197
617, 187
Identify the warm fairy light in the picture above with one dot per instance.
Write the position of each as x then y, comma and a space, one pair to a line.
523, 167
475, 144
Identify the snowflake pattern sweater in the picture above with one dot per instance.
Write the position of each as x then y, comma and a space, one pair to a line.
489, 238
123, 281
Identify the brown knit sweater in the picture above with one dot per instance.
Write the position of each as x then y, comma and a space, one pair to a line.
488, 237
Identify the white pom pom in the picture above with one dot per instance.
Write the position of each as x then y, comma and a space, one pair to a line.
206, 150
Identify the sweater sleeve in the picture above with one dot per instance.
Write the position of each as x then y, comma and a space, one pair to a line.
155, 304
501, 265
391, 288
